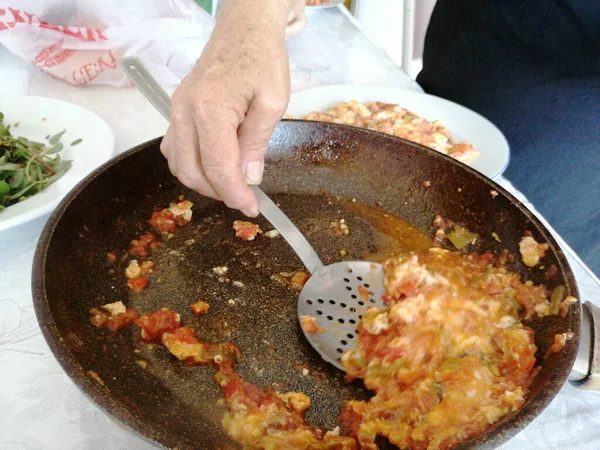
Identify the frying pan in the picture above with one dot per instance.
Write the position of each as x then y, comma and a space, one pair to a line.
311, 169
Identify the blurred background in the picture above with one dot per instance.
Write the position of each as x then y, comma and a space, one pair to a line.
387, 23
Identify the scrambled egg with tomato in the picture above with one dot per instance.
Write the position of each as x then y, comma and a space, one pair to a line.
447, 358
265, 419
397, 121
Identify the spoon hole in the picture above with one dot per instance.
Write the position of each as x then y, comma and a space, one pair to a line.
329, 317
339, 350
344, 342
353, 296
347, 280
348, 288
320, 301
319, 312
332, 302
359, 279
350, 336
343, 305
309, 301
341, 320
352, 321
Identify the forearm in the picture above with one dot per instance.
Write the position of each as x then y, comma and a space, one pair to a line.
243, 14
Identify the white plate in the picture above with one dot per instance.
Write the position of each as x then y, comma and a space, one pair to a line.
96, 148
465, 125
331, 4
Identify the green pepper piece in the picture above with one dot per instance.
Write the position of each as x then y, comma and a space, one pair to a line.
461, 237
558, 295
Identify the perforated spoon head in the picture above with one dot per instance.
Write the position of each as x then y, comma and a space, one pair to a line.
335, 299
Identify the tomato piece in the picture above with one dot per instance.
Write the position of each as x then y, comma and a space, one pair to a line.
163, 221
246, 231
363, 293
185, 346
299, 279
137, 284
155, 324
309, 325
141, 247
121, 320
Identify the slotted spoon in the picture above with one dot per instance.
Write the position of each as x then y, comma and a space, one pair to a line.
336, 295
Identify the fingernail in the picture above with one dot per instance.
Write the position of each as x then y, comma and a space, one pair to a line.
252, 213
254, 171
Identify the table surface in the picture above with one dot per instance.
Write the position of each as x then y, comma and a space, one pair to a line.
40, 408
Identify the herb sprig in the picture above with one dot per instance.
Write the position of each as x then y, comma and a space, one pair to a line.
27, 167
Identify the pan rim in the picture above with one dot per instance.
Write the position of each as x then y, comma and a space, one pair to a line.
157, 433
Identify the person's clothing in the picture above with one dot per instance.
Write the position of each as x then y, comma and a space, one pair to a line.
533, 68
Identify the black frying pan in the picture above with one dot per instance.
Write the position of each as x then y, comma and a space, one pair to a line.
308, 166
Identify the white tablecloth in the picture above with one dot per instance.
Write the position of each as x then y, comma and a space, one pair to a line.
40, 408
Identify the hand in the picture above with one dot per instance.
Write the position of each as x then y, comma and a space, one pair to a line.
227, 107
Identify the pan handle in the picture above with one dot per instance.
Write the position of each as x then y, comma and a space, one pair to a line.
156, 95
586, 370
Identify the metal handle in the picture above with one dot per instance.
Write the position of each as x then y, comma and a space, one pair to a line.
586, 370
147, 85
156, 95
288, 230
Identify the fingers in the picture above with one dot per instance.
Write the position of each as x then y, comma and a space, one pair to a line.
220, 156
167, 148
254, 134
181, 148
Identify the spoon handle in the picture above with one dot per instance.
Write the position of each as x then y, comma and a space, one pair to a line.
156, 95
288, 230
147, 85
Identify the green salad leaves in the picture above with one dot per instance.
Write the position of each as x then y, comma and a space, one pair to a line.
27, 167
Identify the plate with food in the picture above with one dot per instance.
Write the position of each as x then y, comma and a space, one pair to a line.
186, 326
432, 121
46, 147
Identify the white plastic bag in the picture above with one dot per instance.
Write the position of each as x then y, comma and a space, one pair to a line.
80, 41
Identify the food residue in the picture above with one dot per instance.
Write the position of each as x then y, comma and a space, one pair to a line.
246, 231
200, 307
309, 325
531, 251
